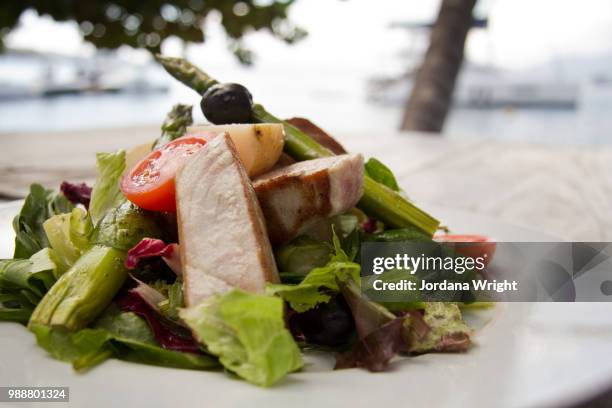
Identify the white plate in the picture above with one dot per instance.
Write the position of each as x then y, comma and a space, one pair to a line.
526, 355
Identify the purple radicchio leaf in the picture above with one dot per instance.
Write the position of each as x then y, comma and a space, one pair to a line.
368, 315
376, 349
379, 331
76, 193
150, 247
370, 225
169, 335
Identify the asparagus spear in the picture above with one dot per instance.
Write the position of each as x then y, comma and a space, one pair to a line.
175, 124
187, 73
84, 291
378, 200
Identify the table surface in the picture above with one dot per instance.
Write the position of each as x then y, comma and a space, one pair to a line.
561, 190
564, 191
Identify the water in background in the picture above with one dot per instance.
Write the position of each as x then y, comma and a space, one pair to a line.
325, 76
335, 99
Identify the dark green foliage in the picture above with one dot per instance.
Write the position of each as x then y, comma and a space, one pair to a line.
145, 24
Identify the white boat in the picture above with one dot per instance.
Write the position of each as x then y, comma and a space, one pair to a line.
486, 88
51, 75
11, 91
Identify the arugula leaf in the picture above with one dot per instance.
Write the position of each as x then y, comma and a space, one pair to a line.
14, 275
247, 332
15, 303
23, 282
17, 315
36, 274
106, 194
307, 294
39, 205
120, 334
381, 173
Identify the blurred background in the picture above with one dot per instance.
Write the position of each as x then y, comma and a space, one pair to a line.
498, 108
537, 71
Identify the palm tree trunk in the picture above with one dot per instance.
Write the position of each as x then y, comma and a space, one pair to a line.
432, 92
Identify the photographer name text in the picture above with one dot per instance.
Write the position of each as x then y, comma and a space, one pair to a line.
424, 285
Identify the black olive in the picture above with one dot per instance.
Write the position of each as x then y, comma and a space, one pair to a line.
227, 103
327, 324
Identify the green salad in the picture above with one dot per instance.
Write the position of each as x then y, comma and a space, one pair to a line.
230, 246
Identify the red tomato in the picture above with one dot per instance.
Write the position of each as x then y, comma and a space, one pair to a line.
150, 183
470, 245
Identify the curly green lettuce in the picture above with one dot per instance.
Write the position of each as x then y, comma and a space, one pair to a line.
247, 332
106, 194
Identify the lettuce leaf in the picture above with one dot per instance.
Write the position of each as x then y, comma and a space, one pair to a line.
376, 170
247, 332
301, 255
120, 334
170, 307
23, 282
310, 292
69, 235
106, 194
39, 205
124, 226
135, 342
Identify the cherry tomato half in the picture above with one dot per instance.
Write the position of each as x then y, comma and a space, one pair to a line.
150, 183
470, 245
